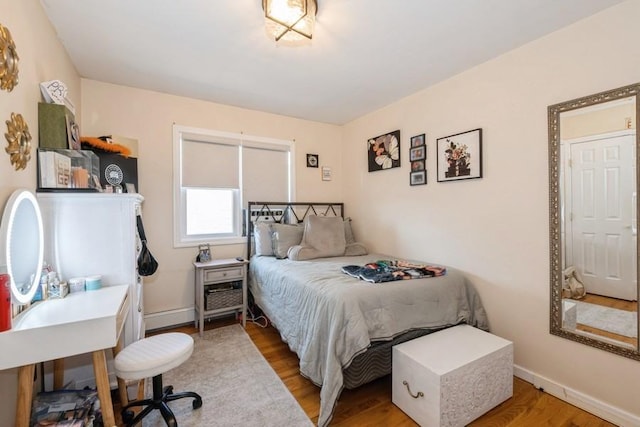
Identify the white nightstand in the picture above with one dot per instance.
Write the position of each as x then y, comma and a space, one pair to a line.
221, 287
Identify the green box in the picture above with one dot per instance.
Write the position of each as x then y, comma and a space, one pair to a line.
56, 126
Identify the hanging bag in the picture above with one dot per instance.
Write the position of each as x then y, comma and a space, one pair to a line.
573, 287
147, 264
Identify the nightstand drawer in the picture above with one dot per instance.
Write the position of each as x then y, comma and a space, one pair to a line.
223, 274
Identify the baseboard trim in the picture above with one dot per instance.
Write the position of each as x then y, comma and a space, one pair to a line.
167, 319
601, 409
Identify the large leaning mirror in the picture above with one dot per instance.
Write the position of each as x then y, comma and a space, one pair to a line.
593, 211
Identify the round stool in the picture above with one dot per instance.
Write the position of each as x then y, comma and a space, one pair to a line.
151, 357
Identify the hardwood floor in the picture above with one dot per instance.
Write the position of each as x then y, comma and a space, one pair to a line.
613, 303
370, 405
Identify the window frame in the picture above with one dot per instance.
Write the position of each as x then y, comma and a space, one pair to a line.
180, 133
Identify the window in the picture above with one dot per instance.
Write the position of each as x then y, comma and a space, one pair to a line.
216, 174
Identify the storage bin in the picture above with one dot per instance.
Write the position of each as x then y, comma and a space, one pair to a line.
67, 169
451, 377
223, 295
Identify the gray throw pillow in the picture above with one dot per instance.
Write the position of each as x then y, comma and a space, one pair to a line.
284, 236
324, 236
355, 249
348, 232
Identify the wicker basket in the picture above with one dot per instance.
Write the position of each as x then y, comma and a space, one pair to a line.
227, 295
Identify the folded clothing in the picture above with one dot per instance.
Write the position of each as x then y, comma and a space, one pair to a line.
390, 270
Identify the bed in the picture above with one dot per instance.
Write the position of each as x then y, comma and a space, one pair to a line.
342, 328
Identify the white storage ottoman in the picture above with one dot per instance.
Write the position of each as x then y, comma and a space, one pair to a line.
453, 376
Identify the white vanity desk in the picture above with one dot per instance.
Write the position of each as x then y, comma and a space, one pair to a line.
82, 322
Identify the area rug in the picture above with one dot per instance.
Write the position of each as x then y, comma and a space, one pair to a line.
619, 322
237, 385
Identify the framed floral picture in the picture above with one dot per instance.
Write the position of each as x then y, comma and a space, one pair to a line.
459, 156
384, 151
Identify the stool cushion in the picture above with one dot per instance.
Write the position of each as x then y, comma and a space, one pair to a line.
153, 356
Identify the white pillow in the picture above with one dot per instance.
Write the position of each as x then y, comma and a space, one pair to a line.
262, 239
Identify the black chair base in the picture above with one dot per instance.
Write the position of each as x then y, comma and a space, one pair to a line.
159, 401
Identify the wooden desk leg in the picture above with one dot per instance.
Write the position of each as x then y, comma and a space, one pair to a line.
104, 390
58, 374
25, 395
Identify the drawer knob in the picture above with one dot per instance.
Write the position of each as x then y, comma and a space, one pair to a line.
415, 396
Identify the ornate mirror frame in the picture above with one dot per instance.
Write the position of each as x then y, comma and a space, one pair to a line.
555, 241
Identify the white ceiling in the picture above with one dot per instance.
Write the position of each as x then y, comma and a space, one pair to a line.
365, 54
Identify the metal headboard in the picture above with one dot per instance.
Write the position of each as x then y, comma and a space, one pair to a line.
286, 213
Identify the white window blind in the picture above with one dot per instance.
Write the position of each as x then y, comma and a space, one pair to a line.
216, 174
210, 164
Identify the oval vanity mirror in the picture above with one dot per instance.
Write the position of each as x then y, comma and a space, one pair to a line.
22, 245
593, 184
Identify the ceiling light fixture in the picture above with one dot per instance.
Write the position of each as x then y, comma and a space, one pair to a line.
290, 20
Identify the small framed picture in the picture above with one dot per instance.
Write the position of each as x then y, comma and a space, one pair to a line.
417, 140
326, 173
74, 136
313, 160
417, 166
460, 156
204, 253
417, 153
131, 188
418, 178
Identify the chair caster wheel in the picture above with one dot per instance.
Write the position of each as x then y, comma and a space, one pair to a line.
197, 403
127, 416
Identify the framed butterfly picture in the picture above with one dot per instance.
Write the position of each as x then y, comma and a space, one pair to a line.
384, 151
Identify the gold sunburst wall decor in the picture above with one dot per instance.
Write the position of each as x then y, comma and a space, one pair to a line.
19, 139
8, 61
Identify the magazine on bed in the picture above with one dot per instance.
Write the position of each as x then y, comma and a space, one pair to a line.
390, 270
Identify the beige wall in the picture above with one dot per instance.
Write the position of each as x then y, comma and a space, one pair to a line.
42, 58
496, 228
598, 122
148, 117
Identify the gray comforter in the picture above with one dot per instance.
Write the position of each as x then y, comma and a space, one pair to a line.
328, 317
